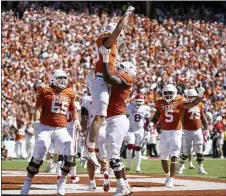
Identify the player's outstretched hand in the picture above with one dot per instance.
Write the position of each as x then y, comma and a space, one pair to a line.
105, 53
130, 10
200, 90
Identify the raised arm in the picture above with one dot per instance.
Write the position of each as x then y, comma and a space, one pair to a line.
120, 26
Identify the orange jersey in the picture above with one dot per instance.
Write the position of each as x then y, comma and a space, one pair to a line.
99, 62
171, 113
117, 101
55, 105
192, 117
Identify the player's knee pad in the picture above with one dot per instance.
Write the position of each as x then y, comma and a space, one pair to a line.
183, 157
60, 157
34, 165
137, 148
130, 146
200, 157
67, 163
116, 164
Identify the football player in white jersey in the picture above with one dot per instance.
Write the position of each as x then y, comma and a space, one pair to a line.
137, 113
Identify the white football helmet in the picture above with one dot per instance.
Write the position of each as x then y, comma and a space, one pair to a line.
190, 94
109, 30
139, 100
126, 67
169, 92
59, 78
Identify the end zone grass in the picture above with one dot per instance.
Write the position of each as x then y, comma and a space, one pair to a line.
216, 168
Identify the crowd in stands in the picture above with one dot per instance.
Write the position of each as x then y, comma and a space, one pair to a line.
174, 47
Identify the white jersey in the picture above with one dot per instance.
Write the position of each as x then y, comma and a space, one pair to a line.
86, 103
137, 116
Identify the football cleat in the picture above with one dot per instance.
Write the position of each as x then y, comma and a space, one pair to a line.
121, 190
169, 183
201, 170
74, 179
61, 186
92, 187
106, 185
180, 169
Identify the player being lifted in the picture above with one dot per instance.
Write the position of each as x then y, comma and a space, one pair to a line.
112, 38
117, 122
171, 108
193, 120
52, 104
138, 113
100, 152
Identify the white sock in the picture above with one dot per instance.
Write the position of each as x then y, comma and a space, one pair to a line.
58, 168
128, 155
92, 182
138, 158
168, 174
190, 163
121, 182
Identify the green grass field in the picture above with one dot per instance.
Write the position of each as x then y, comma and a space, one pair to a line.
216, 168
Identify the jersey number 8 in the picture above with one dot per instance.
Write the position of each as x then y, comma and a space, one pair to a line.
59, 107
137, 117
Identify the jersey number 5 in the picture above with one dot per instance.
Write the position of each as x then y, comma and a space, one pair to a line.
59, 107
169, 116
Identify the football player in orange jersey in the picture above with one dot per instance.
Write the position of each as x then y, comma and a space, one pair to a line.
193, 120
52, 104
171, 108
112, 38
117, 122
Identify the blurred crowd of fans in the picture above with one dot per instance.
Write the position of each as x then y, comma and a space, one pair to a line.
175, 47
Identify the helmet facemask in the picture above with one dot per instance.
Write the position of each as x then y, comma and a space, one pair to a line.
139, 102
59, 79
191, 98
169, 96
61, 82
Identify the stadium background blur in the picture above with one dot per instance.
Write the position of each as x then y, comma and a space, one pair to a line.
181, 43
